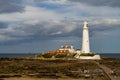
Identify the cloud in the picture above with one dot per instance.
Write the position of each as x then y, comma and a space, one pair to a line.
86, 11
73, 10
51, 1
111, 3
9, 6
40, 23
2, 38
37, 30
3, 25
30, 12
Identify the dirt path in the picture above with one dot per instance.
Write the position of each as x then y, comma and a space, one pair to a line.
107, 71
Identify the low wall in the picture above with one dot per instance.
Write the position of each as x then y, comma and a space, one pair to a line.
95, 57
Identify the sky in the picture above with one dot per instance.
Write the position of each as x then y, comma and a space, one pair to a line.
35, 26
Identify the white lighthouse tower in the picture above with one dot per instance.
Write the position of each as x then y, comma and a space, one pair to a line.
85, 39
86, 46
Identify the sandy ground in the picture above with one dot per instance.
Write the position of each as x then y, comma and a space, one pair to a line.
29, 78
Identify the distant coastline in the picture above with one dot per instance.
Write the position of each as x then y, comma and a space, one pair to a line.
22, 55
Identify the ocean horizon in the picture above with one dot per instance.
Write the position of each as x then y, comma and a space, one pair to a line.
22, 55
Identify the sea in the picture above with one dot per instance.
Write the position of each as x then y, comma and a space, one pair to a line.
17, 55
32, 55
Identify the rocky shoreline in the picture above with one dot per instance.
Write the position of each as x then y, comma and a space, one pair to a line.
13, 68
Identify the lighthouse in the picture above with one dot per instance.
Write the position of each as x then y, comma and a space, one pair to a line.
84, 53
85, 39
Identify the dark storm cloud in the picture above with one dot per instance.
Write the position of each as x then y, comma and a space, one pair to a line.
41, 31
3, 25
40, 0
20, 33
112, 3
8, 6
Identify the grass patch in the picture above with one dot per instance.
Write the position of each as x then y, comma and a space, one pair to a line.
87, 54
60, 56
